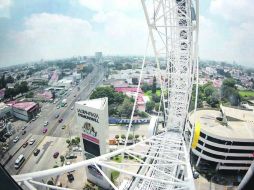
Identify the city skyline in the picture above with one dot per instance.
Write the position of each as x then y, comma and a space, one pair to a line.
66, 28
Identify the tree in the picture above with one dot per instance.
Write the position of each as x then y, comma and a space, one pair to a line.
130, 137
229, 92
145, 87
62, 158
123, 136
117, 137
30, 95
77, 140
134, 81
73, 141
9, 79
154, 85
126, 108
156, 98
68, 142
150, 106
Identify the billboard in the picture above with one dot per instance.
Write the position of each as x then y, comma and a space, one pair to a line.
92, 120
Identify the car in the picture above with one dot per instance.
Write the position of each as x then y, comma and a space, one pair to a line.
57, 115
37, 116
72, 107
31, 142
16, 139
46, 123
70, 177
64, 126
68, 163
36, 151
34, 119
71, 156
74, 95
23, 132
23, 128
79, 98
56, 154
25, 144
5, 148
8, 134
45, 130
58, 107
60, 120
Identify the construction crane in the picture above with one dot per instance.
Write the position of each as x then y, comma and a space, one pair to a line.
163, 160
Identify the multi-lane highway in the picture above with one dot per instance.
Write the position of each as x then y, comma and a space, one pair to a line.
48, 112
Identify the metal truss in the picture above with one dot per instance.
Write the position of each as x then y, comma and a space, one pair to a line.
156, 161
162, 161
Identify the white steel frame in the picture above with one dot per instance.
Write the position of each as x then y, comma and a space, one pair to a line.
163, 159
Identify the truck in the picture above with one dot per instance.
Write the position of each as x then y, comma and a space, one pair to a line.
64, 101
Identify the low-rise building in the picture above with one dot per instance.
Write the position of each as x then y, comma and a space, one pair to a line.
5, 111
24, 110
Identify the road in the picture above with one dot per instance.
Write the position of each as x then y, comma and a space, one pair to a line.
48, 112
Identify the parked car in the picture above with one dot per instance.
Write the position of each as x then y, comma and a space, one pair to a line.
45, 130
16, 139
46, 123
31, 142
64, 126
60, 120
23, 128
57, 115
70, 177
23, 132
5, 148
25, 144
72, 107
36, 151
8, 134
71, 156
58, 107
56, 154
34, 119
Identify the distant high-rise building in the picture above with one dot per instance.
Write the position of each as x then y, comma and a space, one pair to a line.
98, 57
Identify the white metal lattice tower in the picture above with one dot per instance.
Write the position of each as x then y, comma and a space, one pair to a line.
162, 160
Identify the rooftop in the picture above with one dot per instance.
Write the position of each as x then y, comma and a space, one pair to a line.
241, 114
24, 105
94, 103
236, 130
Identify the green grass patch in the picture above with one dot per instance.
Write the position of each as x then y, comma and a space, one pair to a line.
246, 93
114, 175
118, 159
149, 93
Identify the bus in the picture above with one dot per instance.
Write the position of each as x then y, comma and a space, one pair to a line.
19, 161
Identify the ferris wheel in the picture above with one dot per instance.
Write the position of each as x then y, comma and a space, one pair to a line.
161, 161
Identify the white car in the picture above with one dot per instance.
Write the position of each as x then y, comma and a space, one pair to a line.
46, 123
16, 139
31, 142
72, 107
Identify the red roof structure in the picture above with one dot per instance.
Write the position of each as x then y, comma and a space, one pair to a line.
24, 105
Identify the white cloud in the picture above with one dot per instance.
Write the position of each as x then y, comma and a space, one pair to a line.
52, 36
233, 10
237, 41
5, 8
110, 5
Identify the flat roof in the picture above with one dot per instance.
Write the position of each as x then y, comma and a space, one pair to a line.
236, 130
98, 103
241, 114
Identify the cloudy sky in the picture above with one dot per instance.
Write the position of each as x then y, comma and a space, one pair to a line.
31, 30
